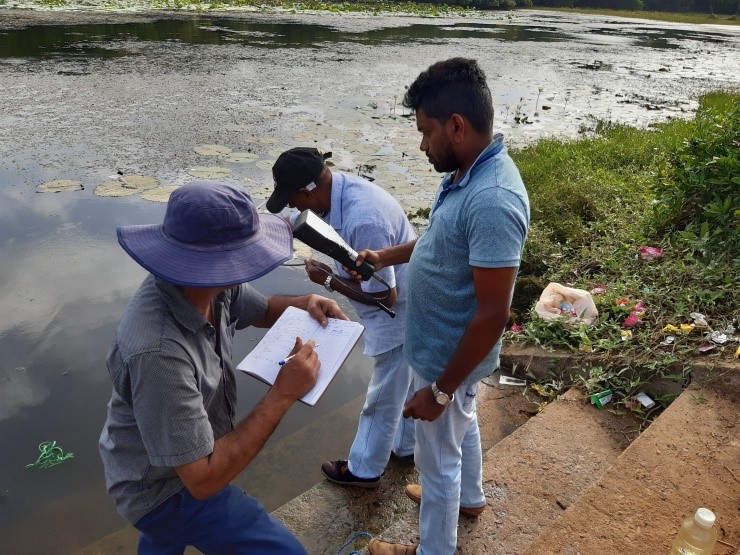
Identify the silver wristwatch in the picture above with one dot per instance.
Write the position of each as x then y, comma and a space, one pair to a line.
440, 396
327, 283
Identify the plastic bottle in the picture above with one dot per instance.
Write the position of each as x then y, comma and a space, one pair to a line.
697, 535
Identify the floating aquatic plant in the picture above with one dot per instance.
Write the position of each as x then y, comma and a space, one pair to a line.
212, 150
237, 127
126, 185
241, 157
209, 172
160, 194
60, 186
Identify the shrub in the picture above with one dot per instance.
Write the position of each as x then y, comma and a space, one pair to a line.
699, 199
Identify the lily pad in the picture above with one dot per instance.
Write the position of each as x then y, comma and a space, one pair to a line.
301, 250
60, 186
138, 182
241, 157
209, 172
275, 152
160, 194
126, 185
212, 150
237, 127
113, 189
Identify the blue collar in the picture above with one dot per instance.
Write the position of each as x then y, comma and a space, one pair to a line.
448, 185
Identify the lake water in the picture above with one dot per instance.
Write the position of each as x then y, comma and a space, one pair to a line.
89, 96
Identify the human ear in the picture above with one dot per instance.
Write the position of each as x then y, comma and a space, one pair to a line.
457, 127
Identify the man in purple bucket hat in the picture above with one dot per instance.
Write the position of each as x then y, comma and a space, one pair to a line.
170, 445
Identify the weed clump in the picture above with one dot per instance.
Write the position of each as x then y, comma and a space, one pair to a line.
596, 203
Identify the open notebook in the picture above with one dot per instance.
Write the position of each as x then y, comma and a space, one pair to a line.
334, 343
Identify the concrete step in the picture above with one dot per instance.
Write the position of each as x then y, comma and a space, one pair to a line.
688, 458
321, 514
533, 475
326, 515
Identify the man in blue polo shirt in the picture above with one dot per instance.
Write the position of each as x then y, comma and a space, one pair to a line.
461, 279
366, 217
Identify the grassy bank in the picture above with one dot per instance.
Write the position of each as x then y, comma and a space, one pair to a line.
675, 17
596, 202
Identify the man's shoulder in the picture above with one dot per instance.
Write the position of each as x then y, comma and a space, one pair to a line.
145, 322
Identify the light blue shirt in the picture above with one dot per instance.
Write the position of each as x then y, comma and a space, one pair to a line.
368, 217
480, 221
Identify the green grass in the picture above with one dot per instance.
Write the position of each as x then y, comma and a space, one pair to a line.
593, 207
675, 17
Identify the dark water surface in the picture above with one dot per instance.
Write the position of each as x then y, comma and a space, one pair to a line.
86, 96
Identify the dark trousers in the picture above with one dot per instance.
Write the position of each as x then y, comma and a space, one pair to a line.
227, 523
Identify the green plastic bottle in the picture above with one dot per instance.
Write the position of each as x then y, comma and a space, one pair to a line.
697, 535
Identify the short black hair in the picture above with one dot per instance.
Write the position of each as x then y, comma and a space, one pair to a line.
454, 86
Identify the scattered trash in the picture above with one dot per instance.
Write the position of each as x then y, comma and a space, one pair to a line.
737, 353
507, 380
705, 348
599, 289
626, 335
558, 301
644, 400
515, 328
624, 301
669, 340
699, 320
635, 317
684, 328
650, 253
51, 455
717, 337
601, 399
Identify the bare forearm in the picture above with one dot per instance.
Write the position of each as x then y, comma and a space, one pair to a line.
234, 451
397, 254
479, 338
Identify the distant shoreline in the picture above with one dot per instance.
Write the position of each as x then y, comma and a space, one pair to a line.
314, 6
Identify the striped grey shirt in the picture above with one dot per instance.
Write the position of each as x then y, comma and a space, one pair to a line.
174, 389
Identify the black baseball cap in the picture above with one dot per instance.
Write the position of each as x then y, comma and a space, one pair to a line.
293, 170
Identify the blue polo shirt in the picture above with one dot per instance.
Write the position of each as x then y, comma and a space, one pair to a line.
368, 217
480, 221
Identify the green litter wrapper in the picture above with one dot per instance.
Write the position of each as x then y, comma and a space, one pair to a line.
601, 399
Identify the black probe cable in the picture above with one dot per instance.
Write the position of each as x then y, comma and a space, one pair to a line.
373, 300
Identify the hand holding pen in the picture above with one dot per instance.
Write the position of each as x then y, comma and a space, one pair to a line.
286, 359
299, 370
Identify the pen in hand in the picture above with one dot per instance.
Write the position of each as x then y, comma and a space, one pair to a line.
286, 359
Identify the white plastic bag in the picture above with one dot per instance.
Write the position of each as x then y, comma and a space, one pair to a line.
558, 301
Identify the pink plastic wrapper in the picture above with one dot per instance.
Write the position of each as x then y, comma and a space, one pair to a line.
650, 253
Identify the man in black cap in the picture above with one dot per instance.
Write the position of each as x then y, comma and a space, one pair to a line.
363, 214
170, 444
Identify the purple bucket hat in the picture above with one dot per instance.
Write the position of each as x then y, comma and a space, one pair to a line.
212, 236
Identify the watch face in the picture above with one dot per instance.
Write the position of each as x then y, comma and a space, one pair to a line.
442, 399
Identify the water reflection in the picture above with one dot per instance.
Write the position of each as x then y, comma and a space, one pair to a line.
84, 101
112, 40
64, 282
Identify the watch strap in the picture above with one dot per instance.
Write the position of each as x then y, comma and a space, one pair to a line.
437, 392
327, 283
